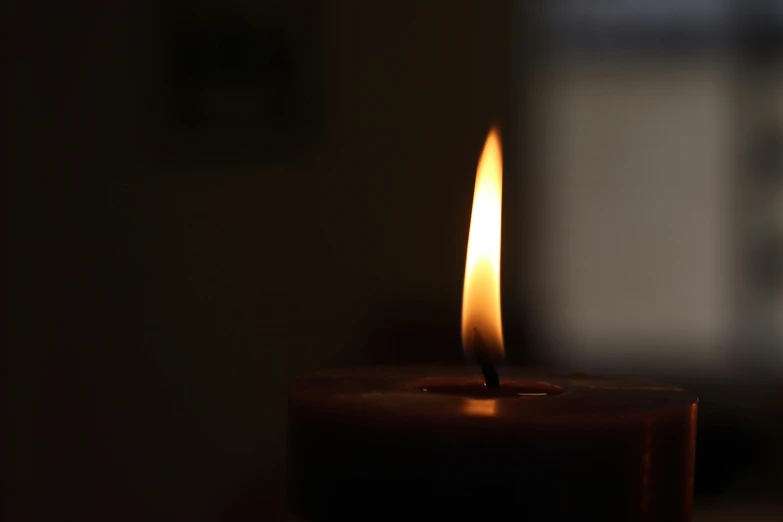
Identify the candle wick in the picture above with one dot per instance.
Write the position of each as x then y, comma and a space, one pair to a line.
491, 379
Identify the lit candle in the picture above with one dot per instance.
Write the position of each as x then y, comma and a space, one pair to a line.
435, 443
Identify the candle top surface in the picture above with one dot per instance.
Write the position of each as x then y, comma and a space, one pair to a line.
442, 393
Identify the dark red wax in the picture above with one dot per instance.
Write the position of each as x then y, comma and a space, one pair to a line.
430, 443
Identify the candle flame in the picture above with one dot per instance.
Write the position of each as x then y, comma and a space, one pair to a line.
481, 293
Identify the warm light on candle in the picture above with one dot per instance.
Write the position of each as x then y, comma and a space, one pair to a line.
480, 407
481, 293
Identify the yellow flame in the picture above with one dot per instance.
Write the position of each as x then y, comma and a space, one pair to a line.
481, 293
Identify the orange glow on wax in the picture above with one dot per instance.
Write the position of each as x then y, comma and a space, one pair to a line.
481, 293
480, 407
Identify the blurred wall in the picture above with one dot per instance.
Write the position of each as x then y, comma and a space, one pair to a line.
639, 159
158, 304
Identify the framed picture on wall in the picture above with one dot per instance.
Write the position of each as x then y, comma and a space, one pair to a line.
234, 82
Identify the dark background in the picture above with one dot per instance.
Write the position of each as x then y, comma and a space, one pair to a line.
205, 199
173, 261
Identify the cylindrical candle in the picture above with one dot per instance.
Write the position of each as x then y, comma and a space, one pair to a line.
431, 443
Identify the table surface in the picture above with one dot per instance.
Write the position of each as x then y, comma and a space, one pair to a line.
269, 506
738, 514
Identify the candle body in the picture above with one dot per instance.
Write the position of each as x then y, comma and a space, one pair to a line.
392, 443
